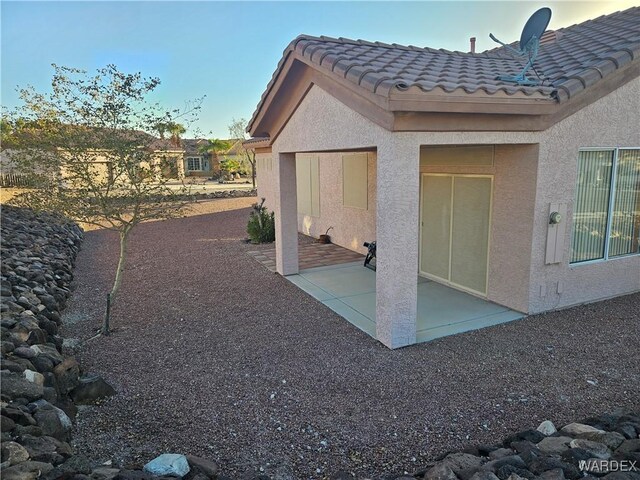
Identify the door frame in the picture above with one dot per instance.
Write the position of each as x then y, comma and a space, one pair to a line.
435, 278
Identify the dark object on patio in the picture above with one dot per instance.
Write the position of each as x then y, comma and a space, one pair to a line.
325, 238
371, 255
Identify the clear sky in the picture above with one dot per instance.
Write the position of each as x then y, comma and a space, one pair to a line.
229, 50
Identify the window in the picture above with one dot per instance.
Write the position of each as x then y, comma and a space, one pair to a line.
308, 185
606, 218
194, 164
355, 180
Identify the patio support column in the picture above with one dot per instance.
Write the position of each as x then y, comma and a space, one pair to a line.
397, 219
286, 213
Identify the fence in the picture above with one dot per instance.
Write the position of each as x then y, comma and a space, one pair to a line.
16, 180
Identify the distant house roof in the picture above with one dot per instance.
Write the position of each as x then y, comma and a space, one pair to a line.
573, 60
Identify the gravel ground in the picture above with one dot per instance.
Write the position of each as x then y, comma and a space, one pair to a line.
216, 356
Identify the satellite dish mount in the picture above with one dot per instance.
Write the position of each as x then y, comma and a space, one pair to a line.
528, 45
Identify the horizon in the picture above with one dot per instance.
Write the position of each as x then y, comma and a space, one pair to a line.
228, 51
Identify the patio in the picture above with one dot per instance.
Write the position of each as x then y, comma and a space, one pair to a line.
349, 289
335, 276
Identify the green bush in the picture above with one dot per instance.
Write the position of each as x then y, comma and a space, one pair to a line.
262, 224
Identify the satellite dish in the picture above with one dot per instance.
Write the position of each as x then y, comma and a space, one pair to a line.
528, 46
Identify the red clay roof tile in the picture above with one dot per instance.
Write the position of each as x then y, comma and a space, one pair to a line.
571, 60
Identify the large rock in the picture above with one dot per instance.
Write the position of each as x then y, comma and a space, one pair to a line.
34, 377
67, 375
202, 465
543, 464
104, 473
459, 462
46, 449
629, 446
53, 421
597, 450
26, 471
547, 428
554, 445
90, 390
6, 424
575, 429
16, 386
13, 453
611, 439
168, 464
440, 471
48, 351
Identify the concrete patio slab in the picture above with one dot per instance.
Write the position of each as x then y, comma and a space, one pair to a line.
350, 290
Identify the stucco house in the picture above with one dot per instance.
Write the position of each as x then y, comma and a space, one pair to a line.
525, 196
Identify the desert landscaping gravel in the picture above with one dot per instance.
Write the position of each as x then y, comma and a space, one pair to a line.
216, 356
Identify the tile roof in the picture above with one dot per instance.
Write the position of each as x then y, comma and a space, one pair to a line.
580, 56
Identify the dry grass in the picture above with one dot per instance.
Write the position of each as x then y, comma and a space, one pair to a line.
7, 194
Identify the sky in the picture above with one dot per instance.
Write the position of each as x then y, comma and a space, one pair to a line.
228, 51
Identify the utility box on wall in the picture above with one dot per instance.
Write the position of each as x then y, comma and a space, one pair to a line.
557, 219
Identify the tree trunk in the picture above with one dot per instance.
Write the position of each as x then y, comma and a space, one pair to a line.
253, 174
124, 237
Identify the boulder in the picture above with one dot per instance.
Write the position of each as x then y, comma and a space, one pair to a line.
543, 464
42, 364
53, 421
500, 453
104, 473
48, 351
91, 389
67, 375
440, 471
555, 474
34, 377
459, 462
547, 428
575, 429
202, 465
168, 464
554, 445
46, 449
628, 446
597, 450
16, 386
611, 439
24, 352
484, 475
6, 424
513, 460
26, 471
507, 471
13, 453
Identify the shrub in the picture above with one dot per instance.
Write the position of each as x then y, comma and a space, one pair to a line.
262, 224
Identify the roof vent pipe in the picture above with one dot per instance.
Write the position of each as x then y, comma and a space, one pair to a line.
472, 41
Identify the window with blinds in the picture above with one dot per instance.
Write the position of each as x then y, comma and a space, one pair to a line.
606, 218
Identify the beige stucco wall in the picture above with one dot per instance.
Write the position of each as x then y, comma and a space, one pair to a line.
265, 178
321, 122
351, 226
612, 121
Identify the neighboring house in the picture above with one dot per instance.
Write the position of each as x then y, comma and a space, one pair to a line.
197, 163
527, 196
164, 154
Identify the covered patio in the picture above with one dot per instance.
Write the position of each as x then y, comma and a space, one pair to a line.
349, 289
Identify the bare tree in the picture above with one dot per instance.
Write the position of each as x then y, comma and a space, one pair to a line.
91, 146
237, 132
